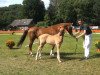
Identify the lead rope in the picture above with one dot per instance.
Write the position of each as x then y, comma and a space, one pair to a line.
76, 45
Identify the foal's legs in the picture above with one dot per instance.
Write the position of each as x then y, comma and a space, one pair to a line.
58, 54
39, 51
52, 50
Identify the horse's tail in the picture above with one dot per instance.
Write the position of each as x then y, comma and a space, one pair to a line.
22, 38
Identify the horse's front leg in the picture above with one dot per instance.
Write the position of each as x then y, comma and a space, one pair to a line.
52, 50
58, 53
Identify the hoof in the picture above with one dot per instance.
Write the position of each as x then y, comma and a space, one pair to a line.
60, 61
51, 54
30, 54
39, 57
36, 59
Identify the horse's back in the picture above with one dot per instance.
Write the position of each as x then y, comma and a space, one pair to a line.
48, 30
52, 30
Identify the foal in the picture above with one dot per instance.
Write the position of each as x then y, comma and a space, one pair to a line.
54, 40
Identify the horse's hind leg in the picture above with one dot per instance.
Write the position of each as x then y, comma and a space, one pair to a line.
30, 44
52, 50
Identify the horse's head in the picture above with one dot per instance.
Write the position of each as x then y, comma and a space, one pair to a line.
61, 29
69, 28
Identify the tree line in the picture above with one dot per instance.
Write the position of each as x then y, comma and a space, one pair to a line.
58, 11
72, 10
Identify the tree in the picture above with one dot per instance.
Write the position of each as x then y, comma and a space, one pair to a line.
34, 9
66, 11
85, 10
73, 9
96, 9
8, 14
52, 11
63, 11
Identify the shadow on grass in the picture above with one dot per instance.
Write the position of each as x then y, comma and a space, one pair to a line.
14, 48
64, 56
62, 53
95, 56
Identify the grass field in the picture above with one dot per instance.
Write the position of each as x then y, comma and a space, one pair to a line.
17, 62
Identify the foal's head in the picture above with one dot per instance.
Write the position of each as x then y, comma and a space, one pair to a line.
61, 30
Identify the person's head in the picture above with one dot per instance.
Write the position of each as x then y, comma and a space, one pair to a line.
80, 22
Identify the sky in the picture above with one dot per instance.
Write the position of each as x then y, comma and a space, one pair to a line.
4, 3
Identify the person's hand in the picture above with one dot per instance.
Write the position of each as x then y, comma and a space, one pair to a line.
77, 37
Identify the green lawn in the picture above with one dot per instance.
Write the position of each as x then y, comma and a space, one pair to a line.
17, 62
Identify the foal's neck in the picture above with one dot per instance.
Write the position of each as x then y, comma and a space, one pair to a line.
60, 33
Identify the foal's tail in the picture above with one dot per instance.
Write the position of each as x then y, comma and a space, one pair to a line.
22, 38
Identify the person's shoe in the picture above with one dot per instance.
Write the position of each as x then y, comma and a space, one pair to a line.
84, 58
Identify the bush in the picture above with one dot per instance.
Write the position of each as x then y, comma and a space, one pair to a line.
97, 44
10, 44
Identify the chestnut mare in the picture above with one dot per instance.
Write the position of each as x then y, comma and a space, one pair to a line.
54, 40
34, 32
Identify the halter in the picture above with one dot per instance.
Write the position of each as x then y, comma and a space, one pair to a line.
76, 45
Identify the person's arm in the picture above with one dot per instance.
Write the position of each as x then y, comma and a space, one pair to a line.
81, 34
77, 33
